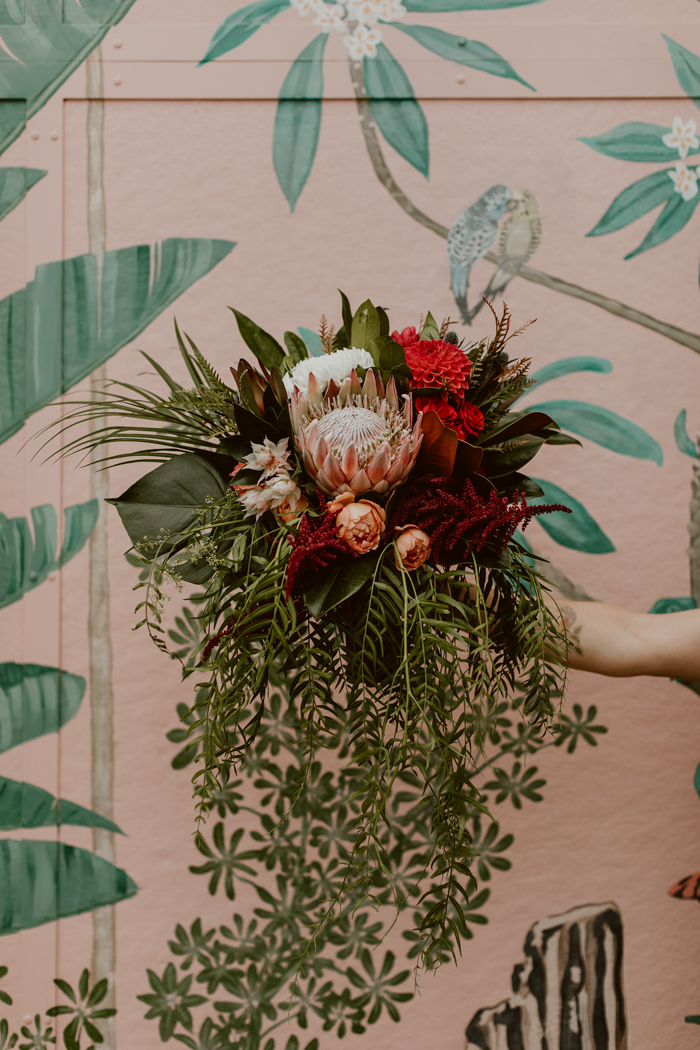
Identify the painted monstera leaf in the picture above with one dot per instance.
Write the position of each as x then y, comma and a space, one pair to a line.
64, 324
42, 50
27, 806
45, 881
26, 562
36, 700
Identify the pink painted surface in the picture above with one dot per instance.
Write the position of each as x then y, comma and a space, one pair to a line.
619, 822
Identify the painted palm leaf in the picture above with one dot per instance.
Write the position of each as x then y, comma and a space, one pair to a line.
35, 700
15, 184
60, 328
28, 806
42, 51
45, 881
25, 563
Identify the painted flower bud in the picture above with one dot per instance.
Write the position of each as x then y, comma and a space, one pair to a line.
361, 525
412, 548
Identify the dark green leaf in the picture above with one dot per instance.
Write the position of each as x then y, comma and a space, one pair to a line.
394, 107
365, 326
35, 700
686, 66
567, 365
264, 346
531, 422
498, 462
298, 350
635, 141
577, 530
347, 312
671, 220
684, 442
634, 201
27, 806
604, 427
343, 579
298, 120
241, 25
458, 49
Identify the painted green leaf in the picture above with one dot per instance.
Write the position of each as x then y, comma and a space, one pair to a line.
41, 53
35, 700
696, 780
684, 443
604, 427
25, 563
312, 340
393, 105
567, 365
673, 605
164, 503
45, 881
635, 140
459, 49
15, 184
464, 5
671, 220
634, 201
686, 66
60, 327
298, 120
241, 25
577, 530
28, 806
12, 12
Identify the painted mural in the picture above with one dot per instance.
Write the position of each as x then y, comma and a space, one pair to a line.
220, 964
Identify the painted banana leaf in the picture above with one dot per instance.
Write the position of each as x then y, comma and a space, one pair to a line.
26, 806
577, 530
567, 365
43, 50
45, 881
637, 141
241, 25
35, 700
298, 120
686, 66
394, 107
15, 184
60, 327
25, 563
465, 52
684, 442
604, 427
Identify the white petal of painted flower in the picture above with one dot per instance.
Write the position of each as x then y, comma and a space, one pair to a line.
331, 17
268, 457
390, 10
308, 7
336, 366
682, 137
364, 11
363, 42
685, 180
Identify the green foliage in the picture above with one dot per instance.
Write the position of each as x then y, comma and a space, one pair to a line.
393, 106
73, 323
458, 49
241, 25
84, 1009
634, 201
298, 120
35, 700
636, 141
435, 6
262, 977
567, 365
604, 427
676, 214
24, 564
15, 184
577, 530
686, 66
684, 443
28, 806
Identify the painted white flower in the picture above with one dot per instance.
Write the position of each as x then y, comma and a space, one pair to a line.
331, 17
390, 10
682, 138
685, 180
362, 43
268, 457
336, 366
366, 12
308, 7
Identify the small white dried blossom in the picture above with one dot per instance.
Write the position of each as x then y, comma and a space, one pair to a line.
268, 457
336, 366
274, 492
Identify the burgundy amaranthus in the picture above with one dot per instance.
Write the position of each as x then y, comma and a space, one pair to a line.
315, 547
453, 513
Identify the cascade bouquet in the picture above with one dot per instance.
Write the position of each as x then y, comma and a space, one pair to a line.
351, 520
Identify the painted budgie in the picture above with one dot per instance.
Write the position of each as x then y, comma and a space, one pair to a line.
470, 237
520, 237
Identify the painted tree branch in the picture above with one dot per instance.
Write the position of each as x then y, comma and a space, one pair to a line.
604, 302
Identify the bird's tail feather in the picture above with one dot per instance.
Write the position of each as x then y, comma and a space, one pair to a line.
460, 280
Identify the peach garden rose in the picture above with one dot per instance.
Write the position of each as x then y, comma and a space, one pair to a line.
412, 548
360, 524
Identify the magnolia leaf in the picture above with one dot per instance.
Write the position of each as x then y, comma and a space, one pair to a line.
439, 449
366, 326
576, 530
394, 107
241, 25
634, 201
498, 462
338, 582
604, 427
162, 505
28, 806
45, 881
35, 700
567, 365
347, 311
684, 443
636, 141
458, 49
264, 346
530, 422
298, 350
298, 120
672, 219
686, 66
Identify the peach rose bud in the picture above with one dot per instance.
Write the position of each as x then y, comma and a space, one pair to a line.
412, 548
361, 525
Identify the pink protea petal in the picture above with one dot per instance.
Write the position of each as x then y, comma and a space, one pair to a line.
331, 468
391, 394
350, 463
355, 383
345, 390
331, 390
313, 391
360, 483
407, 408
320, 451
381, 486
309, 465
381, 392
417, 430
369, 387
395, 473
404, 452
325, 483
311, 437
379, 466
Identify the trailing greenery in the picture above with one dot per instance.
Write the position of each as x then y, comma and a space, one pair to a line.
83, 1007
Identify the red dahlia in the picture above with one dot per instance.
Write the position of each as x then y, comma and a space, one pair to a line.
434, 363
466, 419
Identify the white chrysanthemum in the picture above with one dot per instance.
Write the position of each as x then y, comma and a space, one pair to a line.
337, 366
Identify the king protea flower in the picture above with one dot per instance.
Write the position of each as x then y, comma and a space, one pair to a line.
356, 439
